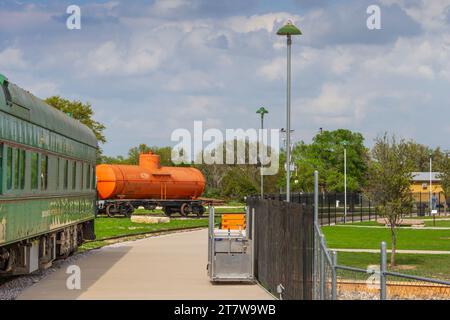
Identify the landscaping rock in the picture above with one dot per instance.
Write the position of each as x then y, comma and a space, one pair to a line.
404, 222
149, 220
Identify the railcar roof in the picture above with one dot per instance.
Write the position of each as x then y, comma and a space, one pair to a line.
35, 110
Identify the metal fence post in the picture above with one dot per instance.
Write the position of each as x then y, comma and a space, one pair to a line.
334, 277
211, 241
253, 242
383, 270
316, 197
322, 269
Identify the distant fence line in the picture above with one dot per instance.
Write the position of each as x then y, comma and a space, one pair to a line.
359, 206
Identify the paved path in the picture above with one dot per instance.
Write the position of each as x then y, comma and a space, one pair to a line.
388, 250
165, 267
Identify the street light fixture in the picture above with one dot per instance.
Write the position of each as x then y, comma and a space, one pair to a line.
262, 111
288, 30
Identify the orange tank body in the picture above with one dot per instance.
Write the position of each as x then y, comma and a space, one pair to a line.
148, 180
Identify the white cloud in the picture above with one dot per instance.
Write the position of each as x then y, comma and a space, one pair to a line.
267, 22
274, 70
431, 14
12, 59
110, 59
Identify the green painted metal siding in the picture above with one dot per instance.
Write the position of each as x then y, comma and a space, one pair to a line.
40, 189
25, 218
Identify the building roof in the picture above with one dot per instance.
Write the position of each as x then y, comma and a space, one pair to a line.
425, 176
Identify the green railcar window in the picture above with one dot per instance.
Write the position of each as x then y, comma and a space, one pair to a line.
93, 178
16, 168
9, 168
74, 175
66, 174
58, 165
88, 179
44, 172
34, 170
82, 176
22, 165
1, 168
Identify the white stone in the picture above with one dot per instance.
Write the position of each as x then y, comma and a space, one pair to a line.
149, 219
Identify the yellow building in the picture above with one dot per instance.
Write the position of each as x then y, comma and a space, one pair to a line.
420, 186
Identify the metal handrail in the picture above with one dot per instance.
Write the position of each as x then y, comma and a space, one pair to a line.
407, 276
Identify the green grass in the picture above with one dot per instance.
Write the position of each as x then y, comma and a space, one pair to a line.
117, 227
365, 223
113, 227
370, 238
442, 224
425, 265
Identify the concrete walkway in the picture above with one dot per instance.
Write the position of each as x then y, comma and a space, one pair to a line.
165, 267
388, 250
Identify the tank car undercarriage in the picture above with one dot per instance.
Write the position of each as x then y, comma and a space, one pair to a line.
126, 207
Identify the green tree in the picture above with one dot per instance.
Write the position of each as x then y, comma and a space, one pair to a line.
80, 111
420, 156
165, 154
389, 182
326, 154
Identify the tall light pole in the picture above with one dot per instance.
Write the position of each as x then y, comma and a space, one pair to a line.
431, 183
345, 143
262, 111
288, 30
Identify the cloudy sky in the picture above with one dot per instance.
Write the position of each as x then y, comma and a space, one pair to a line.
149, 67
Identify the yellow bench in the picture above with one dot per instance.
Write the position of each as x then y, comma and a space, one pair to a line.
233, 221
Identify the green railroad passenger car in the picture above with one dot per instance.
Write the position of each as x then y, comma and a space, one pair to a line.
47, 182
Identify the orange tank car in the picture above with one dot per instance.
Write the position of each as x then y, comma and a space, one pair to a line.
148, 180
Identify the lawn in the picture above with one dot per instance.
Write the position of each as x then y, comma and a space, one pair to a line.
116, 227
113, 227
441, 224
428, 223
370, 238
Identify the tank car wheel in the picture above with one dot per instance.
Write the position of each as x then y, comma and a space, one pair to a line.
185, 209
111, 210
199, 211
168, 211
127, 209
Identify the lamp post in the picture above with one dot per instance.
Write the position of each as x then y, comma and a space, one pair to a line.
431, 184
345, 143
262, 111
288, 30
